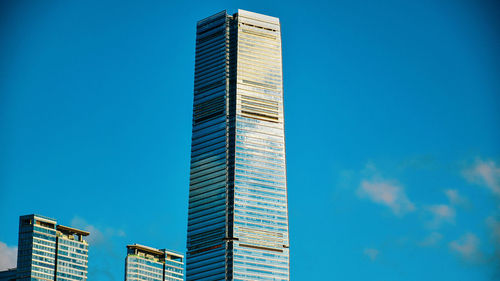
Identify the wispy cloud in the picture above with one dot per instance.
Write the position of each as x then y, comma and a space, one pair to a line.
486, 173
387, 193
456, 198
494, 227
8, 256
440, 213
433, 239
105, 248
467, 247
97, 235
419, 162
371, 253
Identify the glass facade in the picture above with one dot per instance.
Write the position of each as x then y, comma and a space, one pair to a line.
72, 254
8, 275
47, 251
237, 218
146, 263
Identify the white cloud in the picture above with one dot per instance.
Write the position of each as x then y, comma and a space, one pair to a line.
467, 247
97, 235
494, 225
371, 253
386, 193
440, 214
8, 256
455, 198
484, 173
107, 247
433, 239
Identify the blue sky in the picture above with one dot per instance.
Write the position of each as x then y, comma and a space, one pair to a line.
392, 127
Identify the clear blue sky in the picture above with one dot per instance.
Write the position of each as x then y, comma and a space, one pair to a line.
392, 127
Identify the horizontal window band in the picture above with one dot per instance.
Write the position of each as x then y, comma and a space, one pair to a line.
207, 212
211, 19
261, 248
259, 116
259, 104
217, 141
209, 221
216, 100
208, 110
202, 228
207, 66
209, 80
259, 84
207, 249
256, 26
207, 177
213, 26
210, 86
211, 146
206, 37
215, 53
261, 34
209, 117
217, 70
261, 100
260, 110
215, 158
220, 183
207, 95
211, 170
207, 137
207, 233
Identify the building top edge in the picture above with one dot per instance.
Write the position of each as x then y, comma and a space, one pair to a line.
146, 249
207, 19
252, 15
155, 251
72, 230
39, 217
174, 253
9, 269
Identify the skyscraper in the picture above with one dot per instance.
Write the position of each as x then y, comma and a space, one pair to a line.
238, 218
47, 251
146, 263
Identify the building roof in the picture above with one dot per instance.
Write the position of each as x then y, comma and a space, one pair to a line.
40, 217
145, 249
174, 253
72, 230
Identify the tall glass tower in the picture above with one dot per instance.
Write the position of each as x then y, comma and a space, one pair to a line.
238, 218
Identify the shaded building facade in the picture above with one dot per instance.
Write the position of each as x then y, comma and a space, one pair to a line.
8, 275
238, 215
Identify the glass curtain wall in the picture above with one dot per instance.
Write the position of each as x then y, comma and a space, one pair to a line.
238, 219
260, 191
37, 248
146, 263
207, 228
48, 251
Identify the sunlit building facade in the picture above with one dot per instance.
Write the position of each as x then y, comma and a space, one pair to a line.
238, 218
72, 254
149, 264
47, 251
